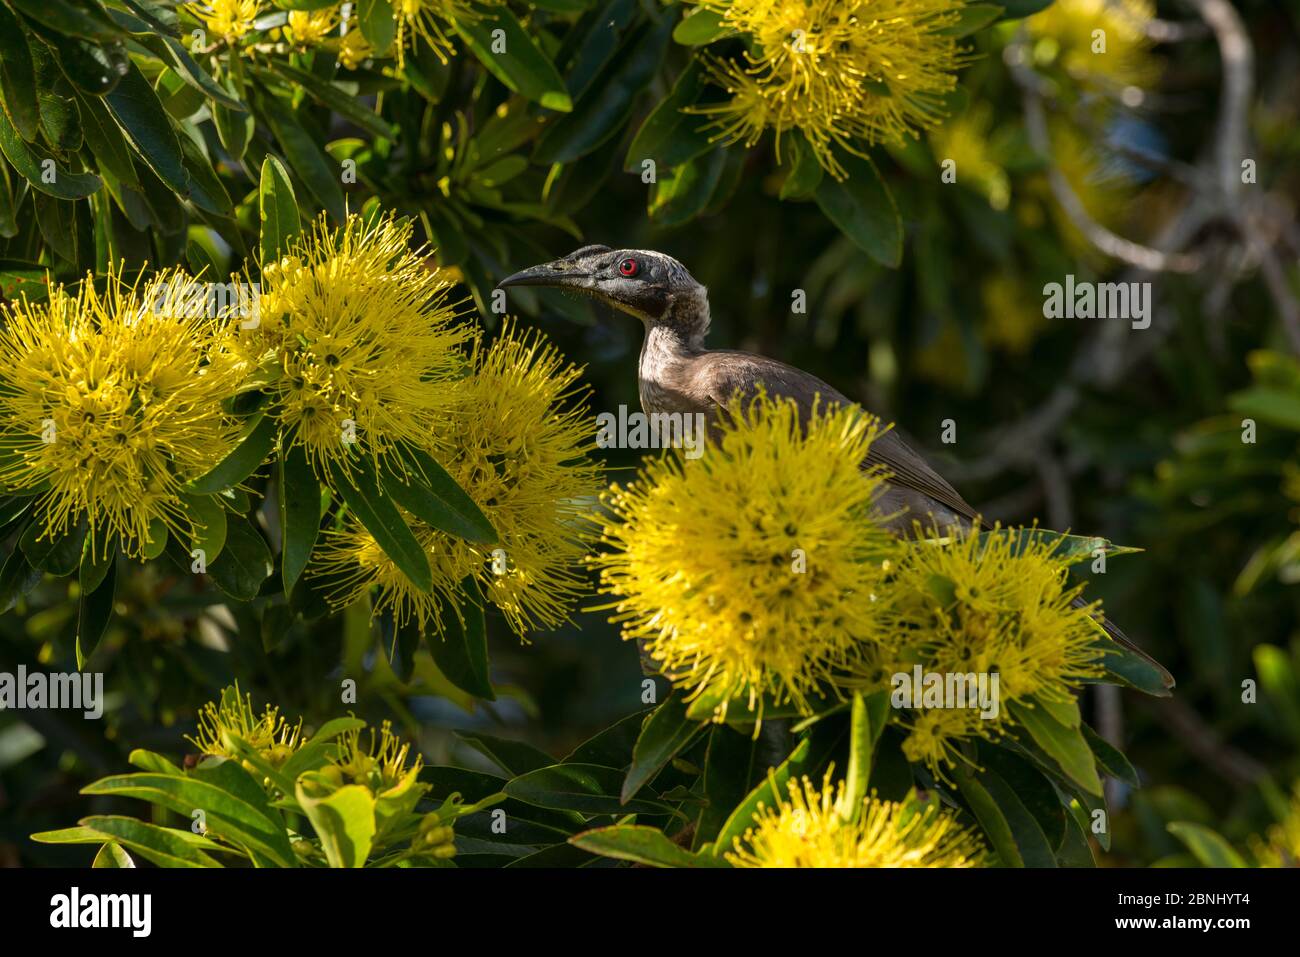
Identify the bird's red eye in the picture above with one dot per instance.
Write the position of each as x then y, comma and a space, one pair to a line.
629, 267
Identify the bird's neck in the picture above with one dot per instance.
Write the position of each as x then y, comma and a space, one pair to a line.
664, 354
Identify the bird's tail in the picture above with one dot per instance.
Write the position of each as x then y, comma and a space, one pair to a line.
1117, 635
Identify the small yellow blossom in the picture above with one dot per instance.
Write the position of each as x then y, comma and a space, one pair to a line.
228, 19
310, 27
268, 733
814, 827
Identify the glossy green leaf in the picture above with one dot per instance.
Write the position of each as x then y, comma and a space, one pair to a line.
344, 821
461, 651
588, 788
17, 77
244, 563
364, 496
667, 732
148, 128
163, 846
299, 513
1066, 746
700, 27
863, 209
522, 66
1207, 846
425, 490
94, 611
644, 845
317, 171
40, 168
242, 462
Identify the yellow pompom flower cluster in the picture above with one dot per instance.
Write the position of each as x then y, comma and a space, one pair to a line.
815, 827
983, 603
311, 27
229, 19
267, 733
1101, 43
110, 402
845, 73
363, 339
434, 21
521, 451
756, 568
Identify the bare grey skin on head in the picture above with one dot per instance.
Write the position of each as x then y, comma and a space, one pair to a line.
677, 374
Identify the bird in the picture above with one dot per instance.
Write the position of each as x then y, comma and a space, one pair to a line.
677, 373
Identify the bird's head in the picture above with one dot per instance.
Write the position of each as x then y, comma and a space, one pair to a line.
654, 287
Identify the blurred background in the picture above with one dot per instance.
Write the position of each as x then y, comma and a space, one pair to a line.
1137, 435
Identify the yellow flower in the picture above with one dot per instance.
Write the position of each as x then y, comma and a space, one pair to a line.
268, 733
434, 21
755, 568
520, 450
847, 73
1013, 315
814, 827
967, 140
310, 27
354, 48
983, 604
229, 19
1282, 845
1102, 43
110, 402
364, 339
380, 764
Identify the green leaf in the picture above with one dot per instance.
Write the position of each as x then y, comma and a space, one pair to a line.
1208, 847
106, 142
245, 562
210, 525
589, 788
805, 172
644, 845
95, 609
305, 155
863, 209
523, 67
1126, 668
233, 804
278, 209
603, 110
299, 513
111, 855
866, 723
513, 757
206, 189
364, 496
344, 821
1015, 9
1271, 406
58, 554
32, 162
972, 17
97, 554
17, 578
312, 755
345, 104
83, 18
666, 733
17, 77
1111, 759
1004, 817
699, 28
1066, 746
164, 846
611, 747
377, 23
148, 129
94, 68
682, 192
668, 136
461, 652
242, 461
426, 491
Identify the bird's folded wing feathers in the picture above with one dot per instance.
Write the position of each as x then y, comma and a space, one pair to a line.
739, 373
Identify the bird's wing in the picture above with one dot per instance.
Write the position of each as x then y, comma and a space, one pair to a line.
725, 374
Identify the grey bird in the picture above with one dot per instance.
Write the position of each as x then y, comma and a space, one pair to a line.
678, 374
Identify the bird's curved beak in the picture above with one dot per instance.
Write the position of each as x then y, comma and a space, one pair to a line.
558, 274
